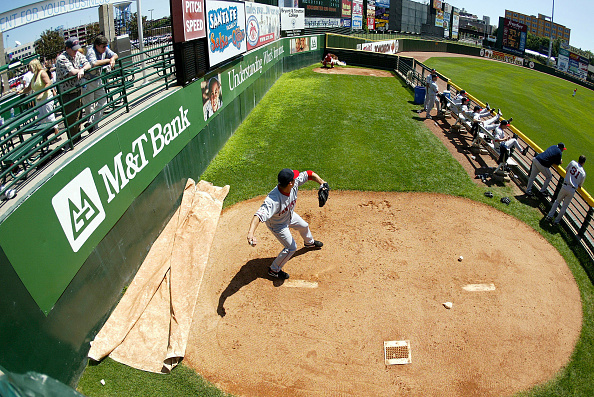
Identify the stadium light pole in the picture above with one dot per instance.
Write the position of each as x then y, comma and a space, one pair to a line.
140, 37
551, 35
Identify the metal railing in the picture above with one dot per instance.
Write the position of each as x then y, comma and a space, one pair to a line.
579, 214
29, 140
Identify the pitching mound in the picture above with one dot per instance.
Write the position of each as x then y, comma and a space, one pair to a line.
389, 262
354, 71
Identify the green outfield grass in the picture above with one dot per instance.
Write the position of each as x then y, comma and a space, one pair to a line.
542, 105
358, 133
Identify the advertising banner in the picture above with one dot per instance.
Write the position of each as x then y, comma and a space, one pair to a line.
187, 17
225, 29
321, 8
346, 9
43, 9
75, 209
371, 14
357, 15
455, 23
446, 24
437, 4
583, 68
385, 47
572, 63
501, 56
439, 19
447, 8
578, 66
303, 44
514, 36
563, 59
292, 19
262, 24
72, 212
322, 22
345, 21
382, 14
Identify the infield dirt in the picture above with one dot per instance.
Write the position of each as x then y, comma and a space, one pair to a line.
389, 262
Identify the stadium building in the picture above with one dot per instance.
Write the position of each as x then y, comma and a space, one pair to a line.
542, 26
21, 51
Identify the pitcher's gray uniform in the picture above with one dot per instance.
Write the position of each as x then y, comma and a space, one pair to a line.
277, 212
574, 179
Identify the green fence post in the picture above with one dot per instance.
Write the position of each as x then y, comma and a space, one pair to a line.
165, 72
64, 118
123, 79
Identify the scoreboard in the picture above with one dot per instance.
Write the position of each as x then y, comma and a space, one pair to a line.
512, 36
321, 8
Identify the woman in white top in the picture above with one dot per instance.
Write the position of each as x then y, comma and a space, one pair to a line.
39, 82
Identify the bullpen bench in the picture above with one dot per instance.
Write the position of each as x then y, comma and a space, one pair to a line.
484, 139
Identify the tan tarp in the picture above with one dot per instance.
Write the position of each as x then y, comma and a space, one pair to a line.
149, 328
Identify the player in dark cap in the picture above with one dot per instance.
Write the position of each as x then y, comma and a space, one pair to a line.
277, 212
542, 163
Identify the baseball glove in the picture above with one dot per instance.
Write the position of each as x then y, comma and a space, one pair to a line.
323, 194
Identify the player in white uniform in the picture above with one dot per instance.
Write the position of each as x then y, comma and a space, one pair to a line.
498, 130
431, 95
277, 212
477, 119
574, 179
427, 82
504, 151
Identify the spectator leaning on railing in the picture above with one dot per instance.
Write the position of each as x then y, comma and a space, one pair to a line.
98, 55
71, 63
39, 83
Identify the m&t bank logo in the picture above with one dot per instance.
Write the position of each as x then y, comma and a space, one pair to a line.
79, 209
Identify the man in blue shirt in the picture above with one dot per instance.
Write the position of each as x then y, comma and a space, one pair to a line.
542, 163
95, 100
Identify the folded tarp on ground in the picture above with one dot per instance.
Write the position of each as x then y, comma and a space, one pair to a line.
149, 328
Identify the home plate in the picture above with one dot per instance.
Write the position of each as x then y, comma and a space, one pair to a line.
300, 284
479, 287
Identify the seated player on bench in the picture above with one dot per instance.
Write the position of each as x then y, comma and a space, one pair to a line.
505, 150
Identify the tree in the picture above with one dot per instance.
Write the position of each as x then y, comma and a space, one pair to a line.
50, 44
533, 42
93, 31
133, 26
163, 22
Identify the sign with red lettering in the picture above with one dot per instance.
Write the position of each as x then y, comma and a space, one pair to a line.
188, 20
262, 24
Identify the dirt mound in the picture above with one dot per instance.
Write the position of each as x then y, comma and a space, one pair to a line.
354, 71
389, 262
